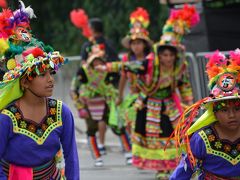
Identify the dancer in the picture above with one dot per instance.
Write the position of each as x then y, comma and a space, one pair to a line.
139, 44
162, 88
94, 31
32, 125
212, 142
97, 96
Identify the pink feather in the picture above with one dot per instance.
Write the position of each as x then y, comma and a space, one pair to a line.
235, 56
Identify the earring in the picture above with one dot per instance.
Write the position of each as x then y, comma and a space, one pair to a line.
22, 88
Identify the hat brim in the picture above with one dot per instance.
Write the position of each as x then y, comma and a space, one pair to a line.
222, 99
126, 40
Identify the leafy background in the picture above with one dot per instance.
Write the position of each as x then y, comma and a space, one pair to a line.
53, 25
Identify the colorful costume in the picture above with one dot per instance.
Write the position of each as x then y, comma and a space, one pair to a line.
139, 21
98, 96
208, 156
28, 144
28, 149
95, 91
159, 103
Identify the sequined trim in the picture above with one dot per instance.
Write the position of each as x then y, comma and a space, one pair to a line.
37, 132
214, 145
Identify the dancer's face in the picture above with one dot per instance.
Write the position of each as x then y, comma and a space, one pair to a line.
97, 62
42, 85
137, 46
228, 114
167, 58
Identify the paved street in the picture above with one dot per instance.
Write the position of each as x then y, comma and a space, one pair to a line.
114, 161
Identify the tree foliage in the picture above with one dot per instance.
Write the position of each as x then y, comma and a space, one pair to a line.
53, 25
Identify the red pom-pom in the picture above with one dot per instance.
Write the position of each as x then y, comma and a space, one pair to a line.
36, 52
140, 12
102, 46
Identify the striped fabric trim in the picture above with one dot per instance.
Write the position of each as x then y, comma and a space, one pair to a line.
210, 176
5, 167
125, 142
96, 107
93, 147
44, 172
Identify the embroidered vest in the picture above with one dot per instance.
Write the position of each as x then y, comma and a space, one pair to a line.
37, 132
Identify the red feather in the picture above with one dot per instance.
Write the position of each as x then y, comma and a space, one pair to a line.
80, 19
3, 3
140, 12
4, 21
36, 52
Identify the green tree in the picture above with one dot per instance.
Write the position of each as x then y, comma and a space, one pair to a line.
53, 25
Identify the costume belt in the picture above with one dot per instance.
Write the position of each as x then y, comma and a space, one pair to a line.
210, 176
162, 93
46, 171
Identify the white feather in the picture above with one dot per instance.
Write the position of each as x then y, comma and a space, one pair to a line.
27, 10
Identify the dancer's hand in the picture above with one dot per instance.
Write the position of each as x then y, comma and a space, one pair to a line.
119, 101
83, 113
100, 68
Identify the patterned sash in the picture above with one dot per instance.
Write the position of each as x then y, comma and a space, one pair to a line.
44, 172
210, 176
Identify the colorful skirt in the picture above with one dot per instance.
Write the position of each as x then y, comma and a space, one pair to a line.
96, 107
47, 171
153, 127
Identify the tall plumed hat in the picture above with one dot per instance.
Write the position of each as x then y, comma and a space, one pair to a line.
21, 53
80, 19
224, 84
139, 21
178, 24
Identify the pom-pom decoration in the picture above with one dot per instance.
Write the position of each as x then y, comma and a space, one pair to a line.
36, 52
140, 15
10, 20
187, 17
11, 64
4, 46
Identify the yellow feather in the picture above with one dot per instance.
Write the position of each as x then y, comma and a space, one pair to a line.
4, 46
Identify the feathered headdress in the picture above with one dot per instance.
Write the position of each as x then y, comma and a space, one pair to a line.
80, 19
139, 21
20, 53
224, 84
178, 24
140, 15
3, 3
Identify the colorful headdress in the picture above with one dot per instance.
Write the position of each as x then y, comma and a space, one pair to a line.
80, 19
20, 53
178, 24
96, 51
3, 3
139, 21
224, 83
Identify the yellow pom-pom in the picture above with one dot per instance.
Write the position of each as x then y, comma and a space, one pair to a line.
11, 64
4, 46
